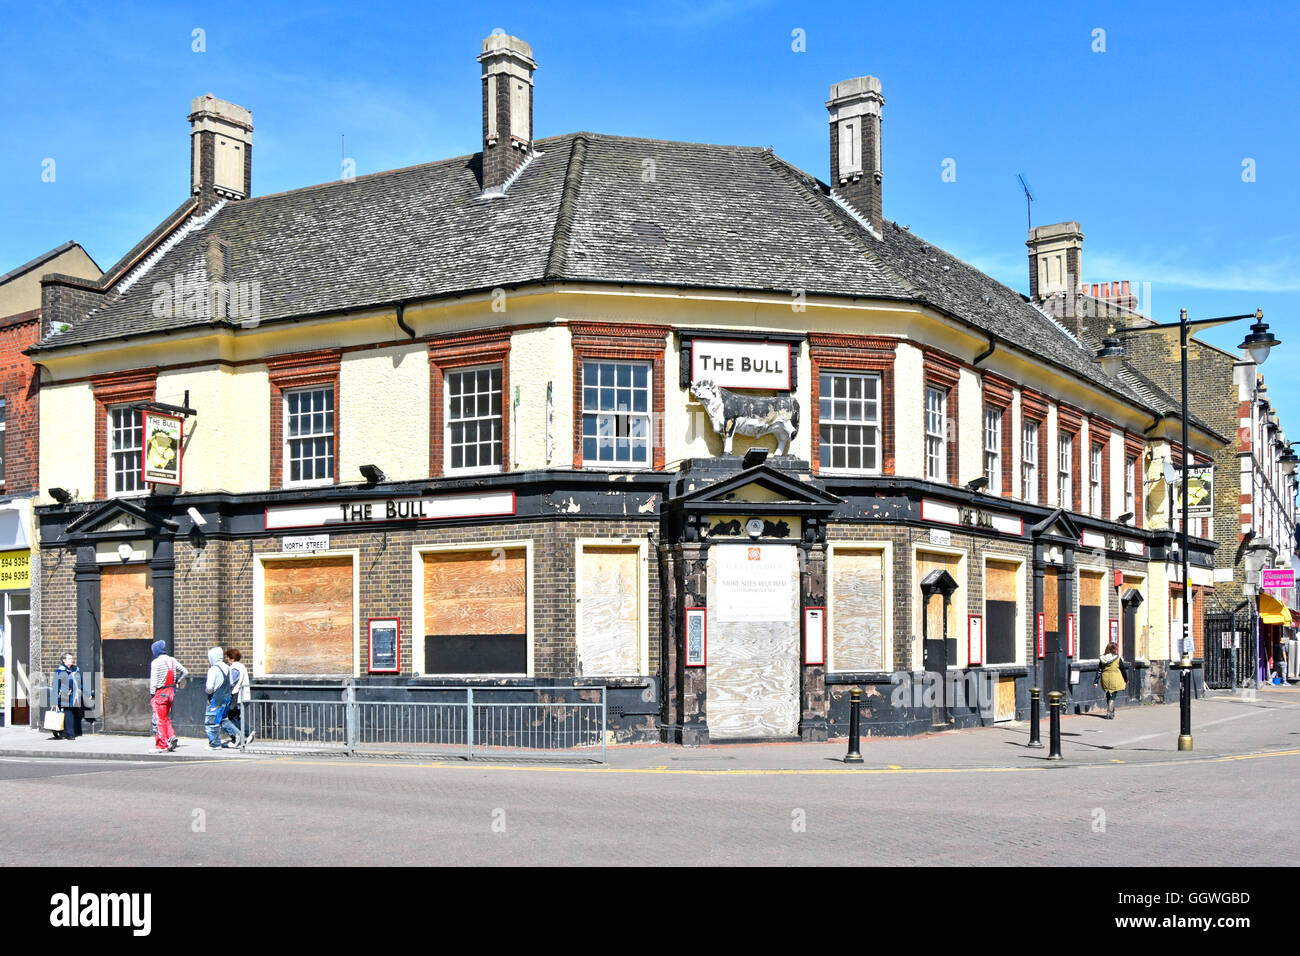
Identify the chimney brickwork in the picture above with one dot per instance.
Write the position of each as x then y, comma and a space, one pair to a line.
221, 151
508, 68
856, 108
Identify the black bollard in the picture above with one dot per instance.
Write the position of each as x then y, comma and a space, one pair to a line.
1035, 705
855, 701
1054, 724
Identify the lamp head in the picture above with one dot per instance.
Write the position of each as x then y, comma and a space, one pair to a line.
1111, 355
1260, 341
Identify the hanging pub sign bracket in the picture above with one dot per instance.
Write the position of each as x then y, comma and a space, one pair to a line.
182, 409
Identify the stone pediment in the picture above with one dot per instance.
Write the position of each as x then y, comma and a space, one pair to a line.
119, 517
759, 489
1058, 525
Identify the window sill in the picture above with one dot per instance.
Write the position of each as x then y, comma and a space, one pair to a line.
298, 485
472, 472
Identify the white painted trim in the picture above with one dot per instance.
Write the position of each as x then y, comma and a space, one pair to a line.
417, 600
886, 549
643, 596
259, 607
918, 652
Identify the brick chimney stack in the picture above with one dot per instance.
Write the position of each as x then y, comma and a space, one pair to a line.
1055, 259
856, 106
508, 67
221, 150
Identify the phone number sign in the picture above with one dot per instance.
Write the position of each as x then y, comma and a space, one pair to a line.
15, 570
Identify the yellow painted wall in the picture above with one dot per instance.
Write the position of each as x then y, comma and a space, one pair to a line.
227, 444
909, 405
539, 356
383, 407
970, 446
1052, 453
67, 444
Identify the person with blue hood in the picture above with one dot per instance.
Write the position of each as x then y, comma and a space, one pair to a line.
218, 686
164, 674
70, 696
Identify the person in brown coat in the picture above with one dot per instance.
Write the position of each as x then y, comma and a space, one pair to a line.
1112, 675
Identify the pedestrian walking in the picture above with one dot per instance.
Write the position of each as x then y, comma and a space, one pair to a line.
165, 674
1112, 675
218, 689
70, 696
239, 692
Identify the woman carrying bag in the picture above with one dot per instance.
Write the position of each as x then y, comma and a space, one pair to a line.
70, 698
1112, 675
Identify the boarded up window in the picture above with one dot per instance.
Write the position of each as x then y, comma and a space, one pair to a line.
308, 625
1091, 621
126, 620
1133, 628
476, 612
1001, 612
858, 611
927, 561
610, 611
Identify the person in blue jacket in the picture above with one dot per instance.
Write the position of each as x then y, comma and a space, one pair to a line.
70, 696
218, 686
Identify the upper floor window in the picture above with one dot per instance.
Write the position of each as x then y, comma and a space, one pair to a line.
473, 419
4, 408
993, 449
1065, 472
936, 441
1094, 481
849, 422
616, 413
125, 446
1029, 462
1130, 486
309, 435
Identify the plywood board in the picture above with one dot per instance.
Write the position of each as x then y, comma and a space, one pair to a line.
753, 672
610, 611
858, 611
476, 592
1051, 597
308, 616
125, 603
1000, 582
927, 561
1090, 588
1004, 705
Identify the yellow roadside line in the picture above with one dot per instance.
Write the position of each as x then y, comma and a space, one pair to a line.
774, 772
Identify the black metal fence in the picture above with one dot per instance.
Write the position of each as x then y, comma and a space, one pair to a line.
1229, 649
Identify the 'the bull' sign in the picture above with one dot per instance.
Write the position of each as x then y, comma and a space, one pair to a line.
741, 364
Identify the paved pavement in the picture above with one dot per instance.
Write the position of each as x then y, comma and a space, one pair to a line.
1124, 796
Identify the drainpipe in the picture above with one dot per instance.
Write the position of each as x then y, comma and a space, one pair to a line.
986, 353
400, 307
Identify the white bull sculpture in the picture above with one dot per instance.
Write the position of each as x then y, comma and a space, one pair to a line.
731, 415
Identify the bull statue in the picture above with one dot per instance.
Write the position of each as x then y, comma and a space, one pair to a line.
731, 415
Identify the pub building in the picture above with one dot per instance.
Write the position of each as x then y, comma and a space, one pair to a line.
676, 419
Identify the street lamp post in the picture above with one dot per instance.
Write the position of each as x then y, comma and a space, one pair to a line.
1258, 343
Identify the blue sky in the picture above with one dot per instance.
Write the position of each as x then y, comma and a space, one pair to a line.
1142, 143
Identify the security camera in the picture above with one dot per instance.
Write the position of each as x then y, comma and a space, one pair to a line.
197, 518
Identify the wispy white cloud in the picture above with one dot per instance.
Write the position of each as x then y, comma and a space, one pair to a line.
1278, 273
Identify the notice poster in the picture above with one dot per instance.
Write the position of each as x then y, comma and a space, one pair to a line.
755, 582
161, 462
385, 651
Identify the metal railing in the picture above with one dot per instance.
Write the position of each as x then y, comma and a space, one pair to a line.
463, 722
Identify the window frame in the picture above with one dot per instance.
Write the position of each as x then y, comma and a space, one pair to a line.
4, 425
1021, 608
994, 431
622, 341
323, 387
418, 627
876, 425
940, 452
643, 598
1065, 470
257, 665
110, 454
867, 354
1029, 469
1096, 467
447, 422
648, 415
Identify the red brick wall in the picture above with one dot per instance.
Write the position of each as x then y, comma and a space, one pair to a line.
461, 350
628, 342
300, 370
854, 353
119, 388
20, 389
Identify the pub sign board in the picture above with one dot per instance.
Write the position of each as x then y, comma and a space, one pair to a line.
162, 435
741, 364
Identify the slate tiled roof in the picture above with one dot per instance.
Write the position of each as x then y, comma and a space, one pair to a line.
587, 208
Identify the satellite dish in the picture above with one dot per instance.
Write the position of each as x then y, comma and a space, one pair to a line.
1171, 473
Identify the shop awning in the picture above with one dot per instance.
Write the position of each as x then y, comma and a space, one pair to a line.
1273, 611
